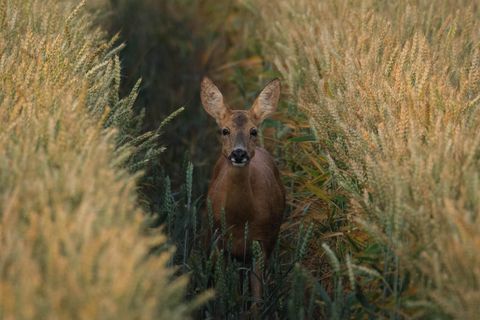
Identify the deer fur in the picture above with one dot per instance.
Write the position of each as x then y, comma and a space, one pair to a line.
245, 182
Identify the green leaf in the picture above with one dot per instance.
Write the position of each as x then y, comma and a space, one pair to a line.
306, 138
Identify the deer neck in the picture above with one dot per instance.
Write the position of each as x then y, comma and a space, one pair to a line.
239, 195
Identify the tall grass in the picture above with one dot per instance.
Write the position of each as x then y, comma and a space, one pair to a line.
286, 283
393, 92
73, 243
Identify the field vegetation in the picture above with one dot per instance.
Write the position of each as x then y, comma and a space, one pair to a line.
377, 140
392, 91
73, 240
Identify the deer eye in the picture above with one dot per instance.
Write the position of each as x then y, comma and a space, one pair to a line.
253, 132
225, 131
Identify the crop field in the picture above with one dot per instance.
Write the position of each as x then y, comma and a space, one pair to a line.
106, 155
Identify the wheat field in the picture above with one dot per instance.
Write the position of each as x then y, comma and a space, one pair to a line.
393, 92
73, 242
103, 177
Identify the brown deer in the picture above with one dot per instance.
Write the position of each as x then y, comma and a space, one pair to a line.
245, 183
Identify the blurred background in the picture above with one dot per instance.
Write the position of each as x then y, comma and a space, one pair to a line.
171, 45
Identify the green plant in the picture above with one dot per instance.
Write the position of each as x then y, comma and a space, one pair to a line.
210, 268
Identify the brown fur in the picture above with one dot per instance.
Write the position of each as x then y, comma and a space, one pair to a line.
253, 193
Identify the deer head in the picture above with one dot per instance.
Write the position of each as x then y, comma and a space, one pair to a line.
238, 128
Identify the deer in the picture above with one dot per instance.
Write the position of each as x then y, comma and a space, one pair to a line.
245, 186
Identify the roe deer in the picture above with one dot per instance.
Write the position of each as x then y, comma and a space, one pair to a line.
245, 182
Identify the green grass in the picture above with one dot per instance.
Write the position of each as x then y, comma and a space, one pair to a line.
180, 218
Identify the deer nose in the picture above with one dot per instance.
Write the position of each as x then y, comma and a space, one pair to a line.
239, 156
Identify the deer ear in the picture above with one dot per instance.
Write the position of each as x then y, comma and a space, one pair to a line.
266, 102
212, 100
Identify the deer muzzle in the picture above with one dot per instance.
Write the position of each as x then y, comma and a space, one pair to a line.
239, 157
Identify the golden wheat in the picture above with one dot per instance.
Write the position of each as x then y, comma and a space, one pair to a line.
72, 244
393, 92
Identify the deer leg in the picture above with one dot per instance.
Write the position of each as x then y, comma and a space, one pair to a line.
256, 284
256, 281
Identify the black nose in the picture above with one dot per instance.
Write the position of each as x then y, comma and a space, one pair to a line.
239, 155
